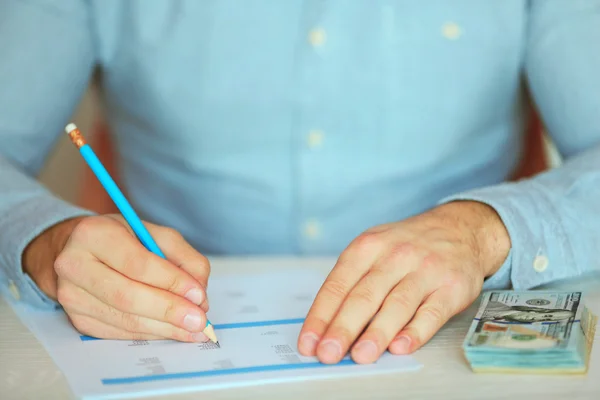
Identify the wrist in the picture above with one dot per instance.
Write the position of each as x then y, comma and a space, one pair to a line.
489, 235
39, 255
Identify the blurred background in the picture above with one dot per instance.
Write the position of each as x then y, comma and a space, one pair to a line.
64, 170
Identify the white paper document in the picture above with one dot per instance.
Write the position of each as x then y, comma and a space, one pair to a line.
257, 318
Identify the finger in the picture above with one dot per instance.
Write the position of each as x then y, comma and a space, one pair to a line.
362, 303
397, 310
113, 244
94, 328
351, 266
82, 303
177, 250
182, 254
430, 317
130, 296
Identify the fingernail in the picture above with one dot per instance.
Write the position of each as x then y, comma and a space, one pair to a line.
195, 295
366, 351
192, 322
331, 350
200, 337
309, 342
400, 345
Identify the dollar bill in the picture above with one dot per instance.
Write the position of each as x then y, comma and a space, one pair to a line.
525, 320
518, 331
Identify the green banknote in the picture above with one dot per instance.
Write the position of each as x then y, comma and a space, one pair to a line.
531, 332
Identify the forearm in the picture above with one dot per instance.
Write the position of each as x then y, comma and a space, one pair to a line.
26, 210
553, 221
43, 75
554, 218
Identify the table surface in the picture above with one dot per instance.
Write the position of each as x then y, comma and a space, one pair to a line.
28, 372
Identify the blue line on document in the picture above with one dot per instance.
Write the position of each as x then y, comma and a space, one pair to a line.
259, 323
234, 325
85, 338
218, 372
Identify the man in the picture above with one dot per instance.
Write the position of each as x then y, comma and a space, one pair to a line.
380, 131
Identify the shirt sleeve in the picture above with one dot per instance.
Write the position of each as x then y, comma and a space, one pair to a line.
46, 59
553, 219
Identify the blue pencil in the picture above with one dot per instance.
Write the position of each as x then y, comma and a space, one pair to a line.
121, 202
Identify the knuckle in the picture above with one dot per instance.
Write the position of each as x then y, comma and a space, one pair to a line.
379, 228
364, 295
85, 229
403, 250
411, 283
169, 312
399, 253
130, 322
65, 264
174, 283
335, 289
433, 313
432, 260
399, 299
367, 241
171, 235
112, 312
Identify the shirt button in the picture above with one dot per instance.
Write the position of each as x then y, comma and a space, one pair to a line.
14, 290
312, 228
315, 139
451, 31
540, 263
317, 37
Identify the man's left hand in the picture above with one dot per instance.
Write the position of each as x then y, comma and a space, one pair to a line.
397, 284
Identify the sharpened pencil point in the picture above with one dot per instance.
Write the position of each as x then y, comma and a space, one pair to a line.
210, 332
218, 344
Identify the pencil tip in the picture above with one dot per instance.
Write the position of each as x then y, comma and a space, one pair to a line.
218, 344
210, 332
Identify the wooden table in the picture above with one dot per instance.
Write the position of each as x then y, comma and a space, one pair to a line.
27, 372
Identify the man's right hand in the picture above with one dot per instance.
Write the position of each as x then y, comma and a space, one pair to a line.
112, 287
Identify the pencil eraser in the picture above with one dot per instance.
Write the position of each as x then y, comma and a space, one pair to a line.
70, 128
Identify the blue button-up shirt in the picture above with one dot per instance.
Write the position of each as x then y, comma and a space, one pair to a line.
289, 127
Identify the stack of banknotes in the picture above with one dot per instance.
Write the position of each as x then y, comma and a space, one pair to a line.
531, 332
